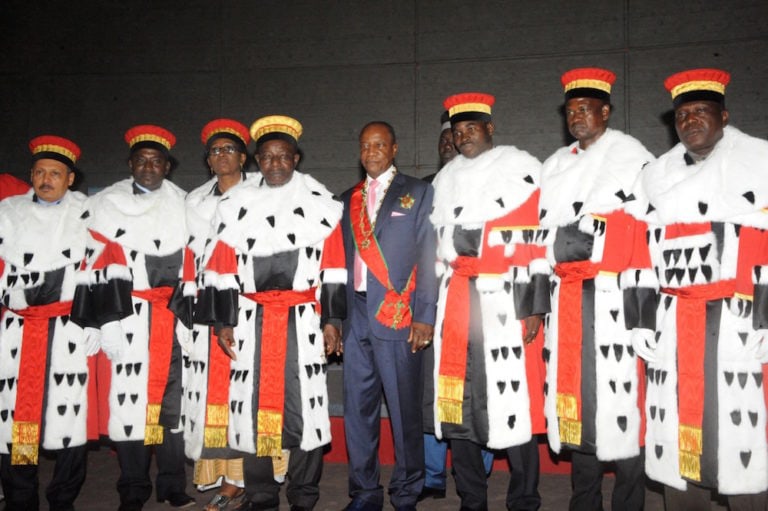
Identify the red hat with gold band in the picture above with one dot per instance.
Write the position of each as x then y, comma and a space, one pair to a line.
469, 106
704, 84
225, 128
55, 148
149, 136
588, 82
274, 127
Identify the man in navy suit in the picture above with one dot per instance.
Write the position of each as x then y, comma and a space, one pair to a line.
392, 293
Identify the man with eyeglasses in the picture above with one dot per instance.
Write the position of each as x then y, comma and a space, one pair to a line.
133, 264
272, 285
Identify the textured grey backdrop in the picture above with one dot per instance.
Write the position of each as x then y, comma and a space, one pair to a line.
89, 70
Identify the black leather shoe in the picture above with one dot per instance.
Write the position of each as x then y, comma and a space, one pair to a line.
133, 505
431, 493
361, 505
178, 500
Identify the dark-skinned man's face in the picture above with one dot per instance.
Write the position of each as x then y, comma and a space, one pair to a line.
51, 179
445, 147
149, 167
587, 119
473, 138
277, 160
377, 150
699, 125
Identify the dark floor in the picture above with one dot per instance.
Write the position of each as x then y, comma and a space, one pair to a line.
99, 492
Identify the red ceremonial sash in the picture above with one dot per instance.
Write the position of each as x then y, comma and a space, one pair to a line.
217, 408
569, 339
395, 310
691, 317
25, 436
453, 353
274, 336
160, 347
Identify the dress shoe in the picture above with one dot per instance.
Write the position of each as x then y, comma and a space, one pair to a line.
431, 493
361, 505
178, 500
132, 505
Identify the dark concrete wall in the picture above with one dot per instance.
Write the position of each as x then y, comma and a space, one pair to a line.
90, 70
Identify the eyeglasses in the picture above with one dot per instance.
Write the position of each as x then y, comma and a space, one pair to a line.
222, 149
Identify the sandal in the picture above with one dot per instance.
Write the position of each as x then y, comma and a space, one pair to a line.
221, 502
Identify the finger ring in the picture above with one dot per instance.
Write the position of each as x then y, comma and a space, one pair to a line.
427, 341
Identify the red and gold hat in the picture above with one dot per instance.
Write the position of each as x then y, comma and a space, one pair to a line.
224, 128
698, 85
151, 137
274, 127
55, 148
469, 106
588, 82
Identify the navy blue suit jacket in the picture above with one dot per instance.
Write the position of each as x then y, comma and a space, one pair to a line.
406, 238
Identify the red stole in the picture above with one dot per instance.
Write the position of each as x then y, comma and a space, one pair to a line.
274, 335
691, 317
161, 336
569, 339
30, 389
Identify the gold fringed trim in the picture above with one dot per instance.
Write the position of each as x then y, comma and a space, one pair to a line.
27, 433
450, 387
268, 445
449, 411
690, 439
690, 466
280, 463
217, 415
153, 414
24, 454
25, 437
450, 396
567, 407
269, 422
269, 435
153, 434
570, 431
215, 436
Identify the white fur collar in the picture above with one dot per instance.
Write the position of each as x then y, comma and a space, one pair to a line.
472, 191
261, 221
38, 237
598, 180
201, 206
152, 223
731, 184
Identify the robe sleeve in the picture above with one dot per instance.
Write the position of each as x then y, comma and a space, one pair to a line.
639, 282
217, 301
104, 284
333, 277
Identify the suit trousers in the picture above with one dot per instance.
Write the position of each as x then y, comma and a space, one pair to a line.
471, 480
20, 482
587, 477
373, 366
303, 476
134, 485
